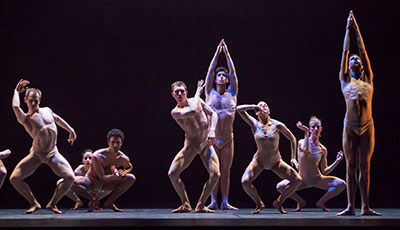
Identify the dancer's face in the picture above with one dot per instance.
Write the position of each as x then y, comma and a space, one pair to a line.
263, 109
32, 101
315, 128
221, 78
114, 144
87, 158
179, 94
355, 63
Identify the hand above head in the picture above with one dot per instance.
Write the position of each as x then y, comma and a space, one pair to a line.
220, 46
200, 84
301, 126
22, 86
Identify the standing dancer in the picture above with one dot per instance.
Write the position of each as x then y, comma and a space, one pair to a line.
266, 135
356, 80
311, 155
190, 114
41, 124
223, 100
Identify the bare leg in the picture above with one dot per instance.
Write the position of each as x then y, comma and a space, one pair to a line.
252, 171
214, 194
3, 173
61, 168
301, 203
226, 159
350, 147
25, 168
284, 171
367, 144
71, 195
119, 189
334, 187
211, 163
180, 163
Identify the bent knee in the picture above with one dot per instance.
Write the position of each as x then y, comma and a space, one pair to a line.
130, 177
68, 179
3, 172
215, 175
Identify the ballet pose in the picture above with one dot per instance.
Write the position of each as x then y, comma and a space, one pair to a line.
266, 133
312, 155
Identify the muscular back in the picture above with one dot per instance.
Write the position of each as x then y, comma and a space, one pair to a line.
224, 105
358, 97
42, 128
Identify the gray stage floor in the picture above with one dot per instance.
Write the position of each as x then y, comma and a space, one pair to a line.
164, 218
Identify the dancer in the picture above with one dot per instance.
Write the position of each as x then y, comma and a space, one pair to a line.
266, 135
41, 124
81, 170
311, 155
356, 80
103, 176
190, 114
3, 170
223, 100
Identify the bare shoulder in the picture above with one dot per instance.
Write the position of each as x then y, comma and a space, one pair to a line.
277, 123
323, 149
100, 154
123, 156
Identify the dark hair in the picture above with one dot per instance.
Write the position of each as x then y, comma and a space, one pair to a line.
85, 151
314, 118
36, 90
115, 133
178, 83
221, 68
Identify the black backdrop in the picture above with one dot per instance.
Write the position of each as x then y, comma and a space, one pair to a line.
106, 64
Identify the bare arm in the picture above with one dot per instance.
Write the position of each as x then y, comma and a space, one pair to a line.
97, 167
289, 135
325, 169
214, 118
210, 78
233, 81
305, 146
19, 113
343, 74
362, 52
194, 106
63, 124
241, 109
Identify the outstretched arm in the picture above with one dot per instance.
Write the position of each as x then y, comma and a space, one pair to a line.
210, 78
233, 81
241, 109
289, 135
20, 88
343, 74
362, 52
325, 169
63, 124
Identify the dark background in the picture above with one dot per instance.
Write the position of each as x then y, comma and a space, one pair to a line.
109, 64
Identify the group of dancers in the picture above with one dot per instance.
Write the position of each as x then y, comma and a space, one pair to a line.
208, 127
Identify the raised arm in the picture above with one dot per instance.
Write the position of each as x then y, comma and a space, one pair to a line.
233, 81
241, 109
362, 52
210, 78
16, 105
343, 74
325, 169
63, 124
289, 135
194, 105
306, 143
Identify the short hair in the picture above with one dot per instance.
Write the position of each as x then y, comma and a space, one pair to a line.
36, 90
115, 133
314, 118
221, 68
85, 151
178, 83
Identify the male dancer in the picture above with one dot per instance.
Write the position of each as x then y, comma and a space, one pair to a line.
41, 124
223, 100
358, 129
190, 114
103, 177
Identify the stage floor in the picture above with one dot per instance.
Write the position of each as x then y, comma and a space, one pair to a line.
140, 218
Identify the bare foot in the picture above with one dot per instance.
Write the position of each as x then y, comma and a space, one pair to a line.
370, 212
259, 207
54, 209
226, 206
78, 204
300, 205
113, 207
93, 205
33, 208
183, 208
203, 210
5, 154
279, 207
322, 206
213, 206
347, 212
